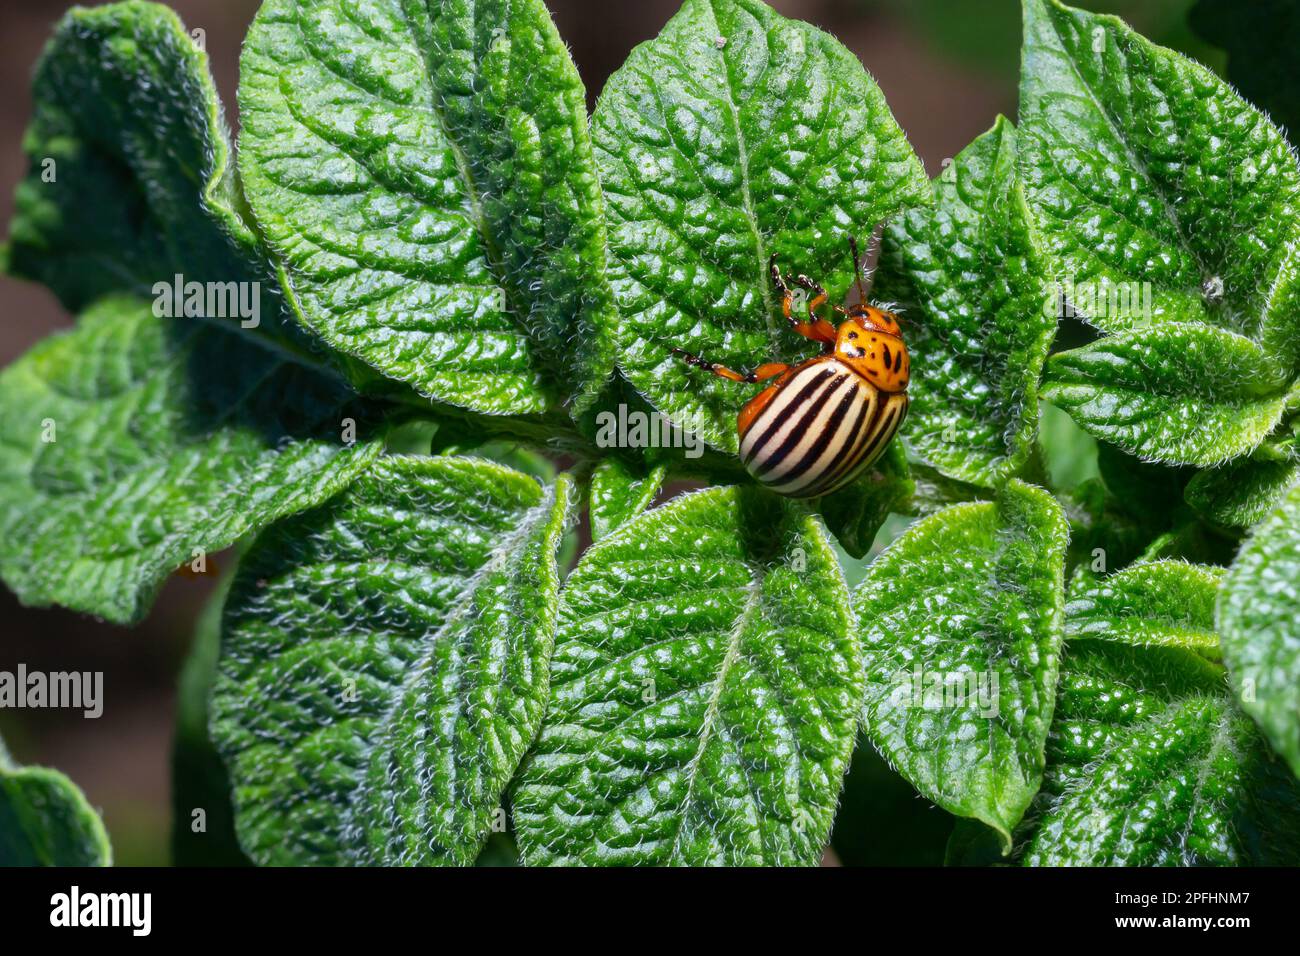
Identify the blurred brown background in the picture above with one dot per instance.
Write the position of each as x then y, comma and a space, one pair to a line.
947, 67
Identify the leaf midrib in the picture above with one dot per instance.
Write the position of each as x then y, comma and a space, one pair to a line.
1135, 162
711, 711
1221, 741
491, 251
747, 198
529, 522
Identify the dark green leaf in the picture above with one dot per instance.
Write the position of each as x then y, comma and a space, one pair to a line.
1177, 392
424, 173
132, 443
130, 187
384, 664
705, 689
935, 491
971, 278
1144, 490
1242, 492
973, 844
1150, 764
1144, 167
880, 821
1132, 510
856, 514
126, 114
732, 136
620, 492
1153, 603
1103, 535
1259, 619
46, 821
961, 621
199, 778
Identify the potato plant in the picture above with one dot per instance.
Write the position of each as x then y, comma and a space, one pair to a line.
386, 346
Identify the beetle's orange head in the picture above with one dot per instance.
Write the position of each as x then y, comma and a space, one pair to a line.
871, 343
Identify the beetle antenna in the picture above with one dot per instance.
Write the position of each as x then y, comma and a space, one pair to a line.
857, 269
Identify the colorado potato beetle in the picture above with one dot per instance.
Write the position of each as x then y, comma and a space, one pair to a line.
824, 421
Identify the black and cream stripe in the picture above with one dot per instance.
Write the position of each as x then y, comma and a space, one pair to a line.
823, 429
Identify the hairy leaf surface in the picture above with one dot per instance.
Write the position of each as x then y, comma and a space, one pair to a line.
705, 688
424, 173
971, 278
961, 620
130, 187
620, 492
129, 159
1180, 393
1172, 209
1259, 617
732, 136
1150, 763
131, 443
1153, 603
1144, 167
384, 664
1241, 493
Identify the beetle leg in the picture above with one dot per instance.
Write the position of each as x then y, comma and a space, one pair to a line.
761, 374
814, 327
787, 297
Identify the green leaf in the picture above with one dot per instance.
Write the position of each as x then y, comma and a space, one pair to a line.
732, 136
620, 492
384, 664
46, 821
1144, 167
1130, 510
971, 278
1151, 492
131, 442
1151, 764
1259, 619
424, 174
130, 188
1180, 393
1241, 493
856, 514
961, 621
129, 180
1153, 603
199, 778
1103, 534
705, 688
499, 850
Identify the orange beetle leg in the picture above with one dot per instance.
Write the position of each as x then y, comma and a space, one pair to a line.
815, 328
760, 374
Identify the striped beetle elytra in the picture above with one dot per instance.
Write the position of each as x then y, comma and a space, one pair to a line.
826, 420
